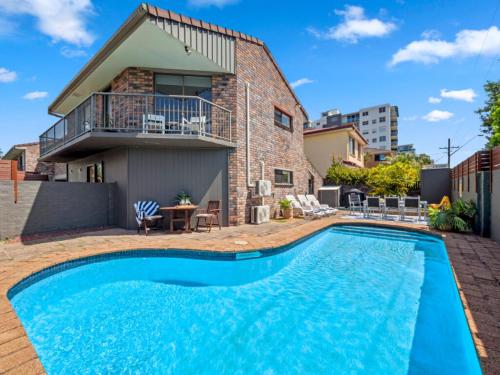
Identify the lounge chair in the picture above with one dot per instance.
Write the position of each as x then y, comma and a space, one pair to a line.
153, 123
304, 202
194, 124
411, 205
146, 212
392, 204
209, 215
372, 204
355, 203
306, 211
315, 203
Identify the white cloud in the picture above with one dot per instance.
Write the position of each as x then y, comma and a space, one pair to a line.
467, 43
434, 100
409, 118
466, 95
7, 75
34, 95
300, 82
355, 26
430, 34
436, 115
72, 52
207, 3
62, 20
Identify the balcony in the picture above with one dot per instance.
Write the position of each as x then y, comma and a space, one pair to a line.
107, 120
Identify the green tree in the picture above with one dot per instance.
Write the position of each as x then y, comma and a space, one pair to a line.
396, 178
490, 114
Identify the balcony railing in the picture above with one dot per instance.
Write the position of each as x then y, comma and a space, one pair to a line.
140, 113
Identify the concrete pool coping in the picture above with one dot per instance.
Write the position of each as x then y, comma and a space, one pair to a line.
17, 355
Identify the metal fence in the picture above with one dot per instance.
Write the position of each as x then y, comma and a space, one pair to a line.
140, 113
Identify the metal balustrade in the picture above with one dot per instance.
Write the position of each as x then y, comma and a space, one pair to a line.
140, 113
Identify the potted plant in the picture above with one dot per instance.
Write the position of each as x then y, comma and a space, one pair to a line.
183, 199
286, 208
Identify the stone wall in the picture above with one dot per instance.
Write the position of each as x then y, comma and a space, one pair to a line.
54, 206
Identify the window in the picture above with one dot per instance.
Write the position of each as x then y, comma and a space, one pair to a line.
374, 121
380, 157
366, 122
359, 151
381, 110
374, 131
168, 84
382, 138
365, 113
374, 140
382, 129
282, 119
366, 132
352, 146
381, 119
283, 177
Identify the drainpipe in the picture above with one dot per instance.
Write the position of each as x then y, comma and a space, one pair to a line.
247, 92
262, 169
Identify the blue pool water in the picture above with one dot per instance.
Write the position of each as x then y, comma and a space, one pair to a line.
349, 299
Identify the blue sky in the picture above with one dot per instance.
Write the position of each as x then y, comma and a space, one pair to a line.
346, 55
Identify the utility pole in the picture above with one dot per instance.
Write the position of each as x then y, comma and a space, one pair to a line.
448, 150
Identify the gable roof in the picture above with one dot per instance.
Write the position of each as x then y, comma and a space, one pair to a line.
334, 129
141, 14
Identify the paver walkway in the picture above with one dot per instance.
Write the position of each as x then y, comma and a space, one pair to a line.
476, 262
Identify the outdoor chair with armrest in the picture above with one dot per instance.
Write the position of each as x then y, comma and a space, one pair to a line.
372, 204
209, 215
355, 203
146, 213
411, 205
392, 204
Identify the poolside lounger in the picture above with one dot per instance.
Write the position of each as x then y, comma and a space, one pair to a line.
304, 202
146, 212
315, 203
411, 205
392, 204
372, 204
355, 203
299, 210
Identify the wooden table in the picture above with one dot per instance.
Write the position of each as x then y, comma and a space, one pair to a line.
188, 211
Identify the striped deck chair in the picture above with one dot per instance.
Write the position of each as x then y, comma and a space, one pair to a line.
146, 212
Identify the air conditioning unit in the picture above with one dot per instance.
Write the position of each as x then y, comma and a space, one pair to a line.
263, 188
259, 214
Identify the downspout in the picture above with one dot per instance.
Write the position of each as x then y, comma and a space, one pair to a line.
247, 92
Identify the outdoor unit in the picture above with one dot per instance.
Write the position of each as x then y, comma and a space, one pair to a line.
263, 188
329, 195
259, 214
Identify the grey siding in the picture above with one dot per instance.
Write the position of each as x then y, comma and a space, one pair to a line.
434, 184
54, 206
160, 174
217, 47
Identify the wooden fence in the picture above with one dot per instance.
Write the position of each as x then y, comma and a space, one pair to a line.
481, 161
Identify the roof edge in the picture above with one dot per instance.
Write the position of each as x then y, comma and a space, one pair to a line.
336, 128
137, 16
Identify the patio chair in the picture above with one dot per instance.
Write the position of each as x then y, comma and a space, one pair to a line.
411, 205
324, 207
211, 213
392, 204
153, 123
194, 124
146, 213
306, 211
372, 204
355, 203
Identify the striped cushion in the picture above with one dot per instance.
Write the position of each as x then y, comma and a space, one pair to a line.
144, 209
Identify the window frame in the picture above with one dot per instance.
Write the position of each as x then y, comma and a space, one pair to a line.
283, 112
283, 183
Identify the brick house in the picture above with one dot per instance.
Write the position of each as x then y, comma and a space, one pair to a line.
26, 155
172, 103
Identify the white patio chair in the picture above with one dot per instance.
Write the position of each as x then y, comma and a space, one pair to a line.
194, 124
306, 211
411, 205
392, 204
355, 203
304, 202
324, 207
153, 123
372, 205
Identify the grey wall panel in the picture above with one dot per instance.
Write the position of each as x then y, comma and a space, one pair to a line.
434, 184
54, 206
159, 174
495, 206
217, 47
115, 171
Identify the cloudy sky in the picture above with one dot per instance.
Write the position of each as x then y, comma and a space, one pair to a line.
431, 58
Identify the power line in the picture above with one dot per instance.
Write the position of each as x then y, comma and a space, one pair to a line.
486, 36
466, 143
448, 150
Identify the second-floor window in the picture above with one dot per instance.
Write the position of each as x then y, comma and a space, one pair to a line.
352, 146
381, 119
381, 110
282, 119
169, 84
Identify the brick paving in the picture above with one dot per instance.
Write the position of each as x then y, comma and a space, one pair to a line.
475, 260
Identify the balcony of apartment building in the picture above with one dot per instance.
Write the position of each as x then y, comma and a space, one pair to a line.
149, 85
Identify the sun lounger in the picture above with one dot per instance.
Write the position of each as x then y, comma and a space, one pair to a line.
146, 212
315, 203
306, 211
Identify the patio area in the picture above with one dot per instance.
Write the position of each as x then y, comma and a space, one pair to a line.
475, 260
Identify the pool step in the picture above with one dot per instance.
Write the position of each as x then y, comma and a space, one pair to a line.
383, 233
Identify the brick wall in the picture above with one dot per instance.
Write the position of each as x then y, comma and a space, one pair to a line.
54, 206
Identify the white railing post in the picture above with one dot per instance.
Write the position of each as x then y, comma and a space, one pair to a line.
199, 116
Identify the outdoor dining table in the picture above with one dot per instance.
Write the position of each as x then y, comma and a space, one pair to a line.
186, 218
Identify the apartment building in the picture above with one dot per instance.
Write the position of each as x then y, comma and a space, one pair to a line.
378, 124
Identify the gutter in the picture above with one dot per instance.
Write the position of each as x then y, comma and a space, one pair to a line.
247, 125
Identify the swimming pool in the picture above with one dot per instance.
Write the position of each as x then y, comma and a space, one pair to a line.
347, 299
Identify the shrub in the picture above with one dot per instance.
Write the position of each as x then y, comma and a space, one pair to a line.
457, 218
